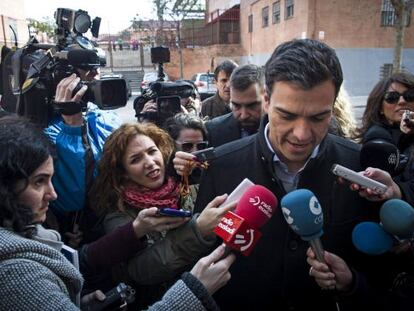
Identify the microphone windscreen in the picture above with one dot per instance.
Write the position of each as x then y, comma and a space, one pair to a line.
397, 218
303, 213
82, 57
256, 205
380, 154
371, 238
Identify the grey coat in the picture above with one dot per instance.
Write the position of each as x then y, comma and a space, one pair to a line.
35, 276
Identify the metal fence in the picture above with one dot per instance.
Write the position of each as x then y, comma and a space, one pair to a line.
223, 28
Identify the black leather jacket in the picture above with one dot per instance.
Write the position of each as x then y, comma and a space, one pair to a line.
275, 275
405, 144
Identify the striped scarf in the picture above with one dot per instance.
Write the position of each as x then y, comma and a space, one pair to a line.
166, 196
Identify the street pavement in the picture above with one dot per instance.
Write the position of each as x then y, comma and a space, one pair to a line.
358, 103
127, 113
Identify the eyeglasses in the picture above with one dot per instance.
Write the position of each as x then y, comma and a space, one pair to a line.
394, 96
188, 146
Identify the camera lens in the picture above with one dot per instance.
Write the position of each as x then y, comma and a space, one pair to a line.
82, 22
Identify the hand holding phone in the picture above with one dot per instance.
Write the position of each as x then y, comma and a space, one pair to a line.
359, 179
118, 297
171, 212
205, 154
407, 122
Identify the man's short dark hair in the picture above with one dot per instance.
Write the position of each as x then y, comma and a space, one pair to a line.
227, 66
244, 76
304, 62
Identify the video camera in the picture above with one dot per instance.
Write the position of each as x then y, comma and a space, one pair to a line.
38, 68
166, 94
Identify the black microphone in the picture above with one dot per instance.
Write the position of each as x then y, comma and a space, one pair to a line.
380, 154
80, 58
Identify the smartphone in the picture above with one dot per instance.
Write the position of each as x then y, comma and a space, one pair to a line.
359, 179
205, 154
171, 212
407, 116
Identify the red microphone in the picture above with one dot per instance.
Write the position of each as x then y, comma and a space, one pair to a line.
238, 229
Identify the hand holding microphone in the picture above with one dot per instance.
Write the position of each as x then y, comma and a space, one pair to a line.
303, 213
213, 270
334, 274
212, 214
239, 229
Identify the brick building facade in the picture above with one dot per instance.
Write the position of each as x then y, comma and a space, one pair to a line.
360, 31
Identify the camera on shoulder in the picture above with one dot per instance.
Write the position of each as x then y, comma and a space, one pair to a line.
38, 69
166, 94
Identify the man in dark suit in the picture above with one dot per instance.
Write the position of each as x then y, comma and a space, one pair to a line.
246, 94
218, 104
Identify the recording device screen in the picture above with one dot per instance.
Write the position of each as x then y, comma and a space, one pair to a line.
168, 106
160, 54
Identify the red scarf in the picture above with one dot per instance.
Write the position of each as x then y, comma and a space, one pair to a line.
165, 196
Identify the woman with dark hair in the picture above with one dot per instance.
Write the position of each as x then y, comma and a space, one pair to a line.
390, 100
34, 274
188, 132
386, 104
190, 135
133, 176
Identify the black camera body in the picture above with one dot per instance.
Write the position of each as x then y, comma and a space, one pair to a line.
166, 94
38, 68
116, 298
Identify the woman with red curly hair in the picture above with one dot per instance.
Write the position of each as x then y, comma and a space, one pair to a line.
133, 175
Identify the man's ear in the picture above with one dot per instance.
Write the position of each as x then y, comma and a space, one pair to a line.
266, 102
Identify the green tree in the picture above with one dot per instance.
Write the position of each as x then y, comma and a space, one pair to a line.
47, 26
175, 10
125, 35
136, 23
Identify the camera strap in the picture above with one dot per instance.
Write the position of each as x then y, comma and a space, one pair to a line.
89, 158
68, 108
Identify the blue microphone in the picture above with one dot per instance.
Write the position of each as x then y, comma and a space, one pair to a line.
397, 218
303, 213
371, 238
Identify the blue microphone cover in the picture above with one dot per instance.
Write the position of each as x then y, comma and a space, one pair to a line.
303, 213
397, 218
371, 238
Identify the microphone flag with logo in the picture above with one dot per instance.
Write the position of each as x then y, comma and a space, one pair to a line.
239, 229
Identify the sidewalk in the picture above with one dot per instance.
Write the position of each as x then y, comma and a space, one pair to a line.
358, 106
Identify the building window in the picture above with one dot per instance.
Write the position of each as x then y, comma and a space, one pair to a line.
388, 14
276, 12
250, 23
289, 8
265, 16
